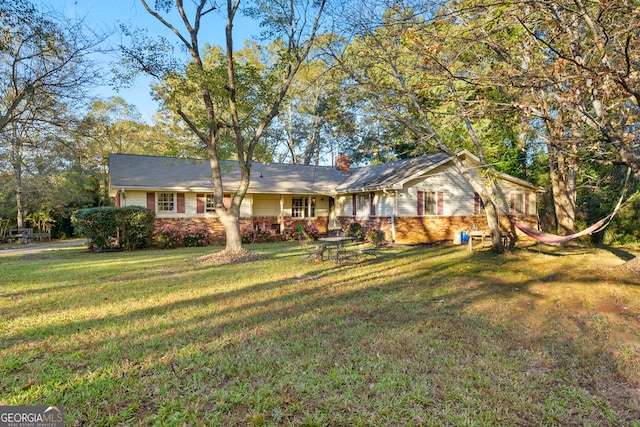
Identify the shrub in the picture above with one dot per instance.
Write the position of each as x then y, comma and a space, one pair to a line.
109, 228
248, 235
136, 226
98, 225
310, 232
266, 235
290, 234
373, 235
169, 237
197, 236
355, 230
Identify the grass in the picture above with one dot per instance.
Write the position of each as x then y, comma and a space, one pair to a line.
419, 336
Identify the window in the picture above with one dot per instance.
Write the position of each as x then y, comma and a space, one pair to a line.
519, 204
209, 204
166, 202
297, 207
303, 207
478, 204
430, 203
372, 204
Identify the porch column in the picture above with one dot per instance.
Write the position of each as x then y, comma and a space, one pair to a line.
393, 215
281, 214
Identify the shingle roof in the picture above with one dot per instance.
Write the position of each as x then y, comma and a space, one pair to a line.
391, 174
154, 172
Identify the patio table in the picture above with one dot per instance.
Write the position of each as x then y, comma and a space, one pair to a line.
338, 242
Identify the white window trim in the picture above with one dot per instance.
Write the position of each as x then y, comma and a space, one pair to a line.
173, 201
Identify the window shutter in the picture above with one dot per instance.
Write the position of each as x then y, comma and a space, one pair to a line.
526, 203
512, 204
118, 199
440, 203
180, 203
372, 204
151, 201
420, 203
226, 200
353, 205
199, 203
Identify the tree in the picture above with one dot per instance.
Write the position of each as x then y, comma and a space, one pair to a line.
419, 67
113, 126
577, 75
43, 66
294, 23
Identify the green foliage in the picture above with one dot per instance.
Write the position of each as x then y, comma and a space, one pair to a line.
42, 221
310, 232
373, 235
169, 237
355, 230
302, 232
290, 234
136, 226
103, 225
98, 225
248, 235
625, 227
197, 236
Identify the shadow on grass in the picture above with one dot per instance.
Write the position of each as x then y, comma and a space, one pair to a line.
388, 341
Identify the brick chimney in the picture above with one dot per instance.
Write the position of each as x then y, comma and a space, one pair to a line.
343, 164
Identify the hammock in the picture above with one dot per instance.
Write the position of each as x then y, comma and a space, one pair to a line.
553, 239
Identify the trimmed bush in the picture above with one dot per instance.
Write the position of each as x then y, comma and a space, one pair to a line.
98, 225
169, 237
136, 226
197, 236
115, 228
355, 230
248, 235
373, 235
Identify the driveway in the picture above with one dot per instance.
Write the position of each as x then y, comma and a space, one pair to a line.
34, 248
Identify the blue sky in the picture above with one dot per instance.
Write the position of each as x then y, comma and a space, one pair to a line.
107, 15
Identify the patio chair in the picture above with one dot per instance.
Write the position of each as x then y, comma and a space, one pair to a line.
310, 250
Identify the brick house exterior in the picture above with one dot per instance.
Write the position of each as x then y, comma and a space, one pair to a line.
418, 200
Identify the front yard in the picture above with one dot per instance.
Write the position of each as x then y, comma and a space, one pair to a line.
418, 336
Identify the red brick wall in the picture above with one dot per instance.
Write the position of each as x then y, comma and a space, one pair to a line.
426, 229
409, 230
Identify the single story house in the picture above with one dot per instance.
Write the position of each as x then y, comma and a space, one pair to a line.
417, 200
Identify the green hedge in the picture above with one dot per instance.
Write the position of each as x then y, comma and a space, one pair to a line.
115, 228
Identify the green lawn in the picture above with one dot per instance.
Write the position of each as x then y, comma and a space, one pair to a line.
419, 336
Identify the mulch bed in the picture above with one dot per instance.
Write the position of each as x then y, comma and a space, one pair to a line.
230, 257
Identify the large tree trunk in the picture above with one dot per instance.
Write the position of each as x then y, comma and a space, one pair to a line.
231, 224
563, 170
493, 221
16, 164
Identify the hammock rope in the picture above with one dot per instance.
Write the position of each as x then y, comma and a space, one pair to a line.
553, 239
